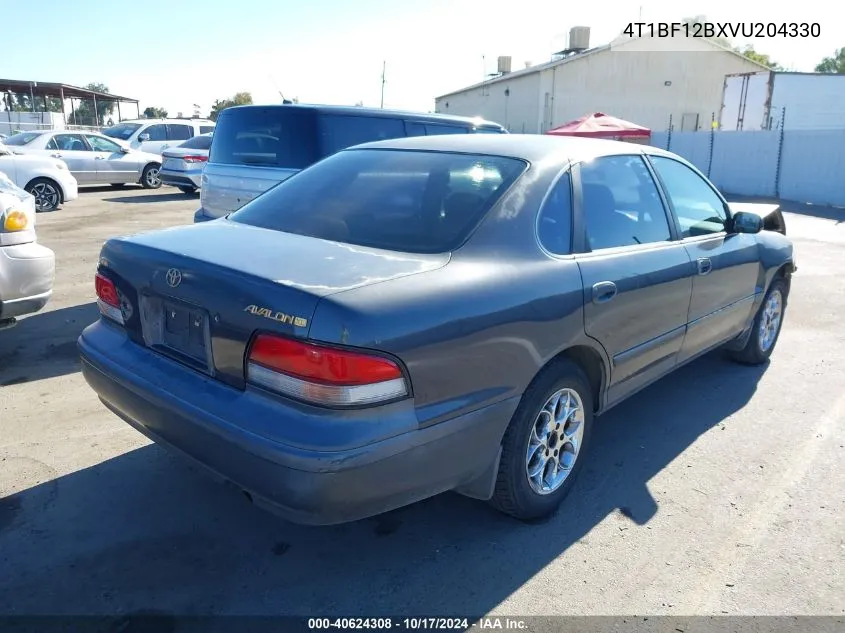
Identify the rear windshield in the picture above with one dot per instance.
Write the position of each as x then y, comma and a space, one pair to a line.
197, 142
22, 139
270, 137
122, 130
408, 201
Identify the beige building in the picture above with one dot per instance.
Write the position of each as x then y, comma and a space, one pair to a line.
643, 80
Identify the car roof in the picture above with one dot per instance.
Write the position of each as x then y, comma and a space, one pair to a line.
530, 147
164, 121
379, 112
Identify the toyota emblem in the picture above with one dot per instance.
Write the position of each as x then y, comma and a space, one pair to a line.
173, 277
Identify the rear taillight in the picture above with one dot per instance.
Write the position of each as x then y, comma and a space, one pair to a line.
107, 298
195, 159
323, 375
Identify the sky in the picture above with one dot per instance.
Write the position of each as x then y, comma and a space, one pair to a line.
174, 54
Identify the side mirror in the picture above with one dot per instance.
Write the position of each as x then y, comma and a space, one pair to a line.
125, 150
745, 222
144, 137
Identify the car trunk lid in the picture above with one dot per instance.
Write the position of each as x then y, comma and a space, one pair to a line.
199, 293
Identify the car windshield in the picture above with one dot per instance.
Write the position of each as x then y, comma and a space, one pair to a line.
203, 141
407, 201
22, 138
121, 131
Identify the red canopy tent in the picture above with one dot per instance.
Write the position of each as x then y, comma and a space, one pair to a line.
600, 125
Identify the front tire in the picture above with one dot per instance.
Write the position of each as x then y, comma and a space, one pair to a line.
766, 327
544, 445
150, 178
47, 194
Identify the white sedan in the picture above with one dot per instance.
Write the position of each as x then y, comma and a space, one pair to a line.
27, 269
93, 159
47, 179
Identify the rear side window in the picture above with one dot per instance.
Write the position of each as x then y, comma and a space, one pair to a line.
198, 142
555, 223
408, 201
276, 136
341, 131
435, 129
178, 132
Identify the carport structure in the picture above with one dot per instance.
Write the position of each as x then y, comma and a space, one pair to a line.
62, 92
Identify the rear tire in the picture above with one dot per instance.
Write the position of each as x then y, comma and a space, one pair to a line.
766, 327
150, 178
187, 190
544, 445
47, 193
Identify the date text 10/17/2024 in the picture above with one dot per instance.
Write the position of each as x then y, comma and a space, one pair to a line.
723, 29
420, 623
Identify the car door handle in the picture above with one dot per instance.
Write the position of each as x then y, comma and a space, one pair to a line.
704, 265
56, 155
99, 158
604, 291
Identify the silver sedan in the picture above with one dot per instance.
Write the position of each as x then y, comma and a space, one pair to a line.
92, 158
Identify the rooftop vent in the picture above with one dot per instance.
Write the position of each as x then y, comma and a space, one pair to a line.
579, 41
504, 64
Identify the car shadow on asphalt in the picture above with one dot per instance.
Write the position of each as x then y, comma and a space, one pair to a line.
143, 531
43, 345
161, 197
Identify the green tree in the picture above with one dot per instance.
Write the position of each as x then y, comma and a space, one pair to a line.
760, 58
155, 113
834, 65
240, 98
22, 102
84, 112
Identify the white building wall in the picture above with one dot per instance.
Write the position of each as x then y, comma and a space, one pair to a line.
517, 110
645, 85
812, 101
628, 81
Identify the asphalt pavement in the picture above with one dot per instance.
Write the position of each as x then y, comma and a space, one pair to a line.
718, 490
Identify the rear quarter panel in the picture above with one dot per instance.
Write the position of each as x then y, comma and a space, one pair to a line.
470, 334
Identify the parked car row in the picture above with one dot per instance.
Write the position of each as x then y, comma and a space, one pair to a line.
128, 153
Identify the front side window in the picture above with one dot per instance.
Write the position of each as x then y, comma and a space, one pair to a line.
407, 201
68, 143
621, 203
157, 132
101, 144
699, 210
177, 132
341, 131
555, 222
122, 131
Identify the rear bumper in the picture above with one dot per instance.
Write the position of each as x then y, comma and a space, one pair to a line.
181, 178
181, 409
26, 279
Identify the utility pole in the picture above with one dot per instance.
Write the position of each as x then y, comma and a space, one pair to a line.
383, 73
